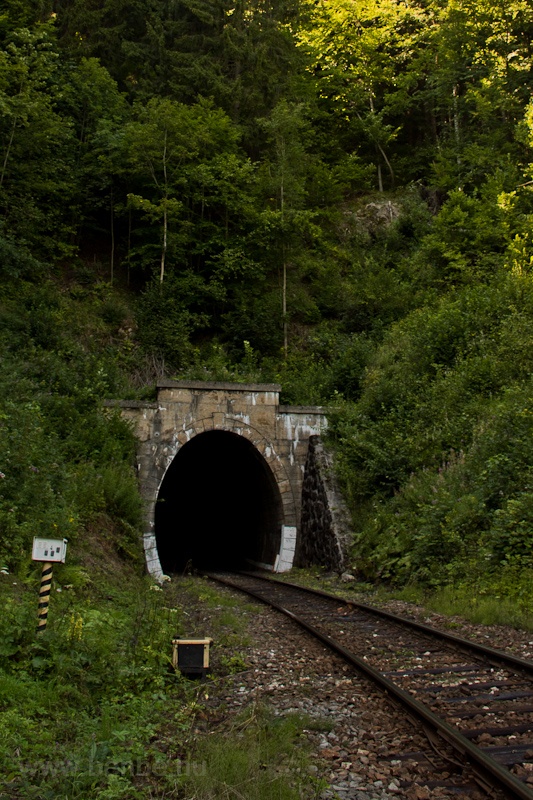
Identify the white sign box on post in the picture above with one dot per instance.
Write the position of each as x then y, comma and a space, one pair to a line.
49, 550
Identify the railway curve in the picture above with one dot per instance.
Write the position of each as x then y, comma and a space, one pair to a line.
477, 699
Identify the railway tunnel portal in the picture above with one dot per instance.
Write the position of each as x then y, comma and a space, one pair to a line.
219, 506
221, 468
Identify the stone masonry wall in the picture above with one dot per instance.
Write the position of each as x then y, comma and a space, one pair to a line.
325, 523
185, 409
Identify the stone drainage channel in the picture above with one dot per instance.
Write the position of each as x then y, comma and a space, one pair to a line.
473, 703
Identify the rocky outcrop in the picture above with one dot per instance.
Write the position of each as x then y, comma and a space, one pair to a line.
325, 522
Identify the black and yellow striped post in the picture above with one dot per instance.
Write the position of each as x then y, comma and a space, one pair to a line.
47, 551
44, 595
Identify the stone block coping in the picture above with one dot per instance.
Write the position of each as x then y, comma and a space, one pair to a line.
225, 387
302, 410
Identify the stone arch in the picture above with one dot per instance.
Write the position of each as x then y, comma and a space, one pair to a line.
255, 437
167, 452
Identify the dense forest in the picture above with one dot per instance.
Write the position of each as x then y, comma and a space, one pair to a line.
335, 195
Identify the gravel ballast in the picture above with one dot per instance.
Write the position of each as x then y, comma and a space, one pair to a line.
363, 745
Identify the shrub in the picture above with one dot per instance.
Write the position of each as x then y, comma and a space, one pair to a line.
436, 454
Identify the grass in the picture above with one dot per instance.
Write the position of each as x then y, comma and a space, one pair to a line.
260, 757
90, 710
256, 755
480, 608
226, 615
504, 598
81, 703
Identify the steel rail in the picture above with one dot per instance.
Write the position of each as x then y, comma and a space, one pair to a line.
490, 652
504, 779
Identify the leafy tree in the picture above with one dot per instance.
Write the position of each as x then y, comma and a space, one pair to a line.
241, 54
98, 111
102, 29
186, 173
354, 47
24, 13
156, 145
36, 141
285, 220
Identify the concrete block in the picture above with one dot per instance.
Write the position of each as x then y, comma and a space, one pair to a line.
288, 533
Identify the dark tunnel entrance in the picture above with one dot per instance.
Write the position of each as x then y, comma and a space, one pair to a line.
218, 506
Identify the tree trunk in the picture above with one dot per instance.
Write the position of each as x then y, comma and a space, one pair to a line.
165, 213
284, 309
164, 248
456, 123
112, 254
387, 162
284, 277
129, 242
6, 159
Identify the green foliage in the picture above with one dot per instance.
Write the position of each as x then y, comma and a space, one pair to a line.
234, 664
161, 148
36, 142
165, 319
91, 709
496, 598
438, 448
335, 197
80, 702
332, 196
16, 261
63, 459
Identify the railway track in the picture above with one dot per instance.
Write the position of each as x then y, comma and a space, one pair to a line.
473, 698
